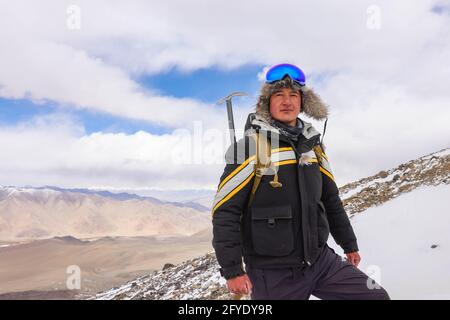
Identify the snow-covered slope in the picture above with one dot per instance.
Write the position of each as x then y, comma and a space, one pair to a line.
193, 279
432, 169
406, 243
403, 232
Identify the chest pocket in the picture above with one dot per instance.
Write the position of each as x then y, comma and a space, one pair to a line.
272, 230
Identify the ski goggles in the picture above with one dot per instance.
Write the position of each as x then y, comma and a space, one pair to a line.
278, 72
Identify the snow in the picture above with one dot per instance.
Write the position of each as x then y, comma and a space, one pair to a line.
361, 186
194, 279
396, 237
351, 192
46, 192
442, 153
425, 162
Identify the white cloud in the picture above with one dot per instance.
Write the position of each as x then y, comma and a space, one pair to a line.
55, 150
381, 129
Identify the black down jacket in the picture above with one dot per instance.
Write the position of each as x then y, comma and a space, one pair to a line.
285, 226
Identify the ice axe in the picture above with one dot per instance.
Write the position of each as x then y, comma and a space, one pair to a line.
227, 99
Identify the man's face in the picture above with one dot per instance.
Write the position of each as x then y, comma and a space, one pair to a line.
285, 106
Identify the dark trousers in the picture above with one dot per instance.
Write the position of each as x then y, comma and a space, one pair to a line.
329, 278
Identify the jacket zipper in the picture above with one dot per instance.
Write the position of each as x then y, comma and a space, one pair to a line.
302, 190
303, 198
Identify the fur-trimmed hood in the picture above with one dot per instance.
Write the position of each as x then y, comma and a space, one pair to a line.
311, 103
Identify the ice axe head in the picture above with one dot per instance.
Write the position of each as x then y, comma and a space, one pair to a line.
230, 96
227, 99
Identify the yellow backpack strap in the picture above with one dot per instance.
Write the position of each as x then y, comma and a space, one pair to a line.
323, 161
263, 161
319, 153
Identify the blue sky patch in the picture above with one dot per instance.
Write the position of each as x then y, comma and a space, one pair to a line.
206, 85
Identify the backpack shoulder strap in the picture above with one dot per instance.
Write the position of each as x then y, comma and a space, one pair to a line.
263, 161
319, 153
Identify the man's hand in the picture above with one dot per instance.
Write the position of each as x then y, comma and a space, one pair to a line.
240, 285
353, 258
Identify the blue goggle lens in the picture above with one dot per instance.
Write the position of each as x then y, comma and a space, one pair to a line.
279, 71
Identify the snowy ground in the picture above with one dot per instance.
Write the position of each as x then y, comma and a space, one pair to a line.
395, 242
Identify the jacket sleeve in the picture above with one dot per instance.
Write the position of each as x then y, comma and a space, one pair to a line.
229, 204
340, 226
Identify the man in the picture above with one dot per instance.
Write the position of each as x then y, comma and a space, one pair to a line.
281, 229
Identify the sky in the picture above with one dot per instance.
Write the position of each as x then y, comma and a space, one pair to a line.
122, 95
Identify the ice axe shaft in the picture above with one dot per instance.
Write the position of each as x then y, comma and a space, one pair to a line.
228, 99
231, 121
